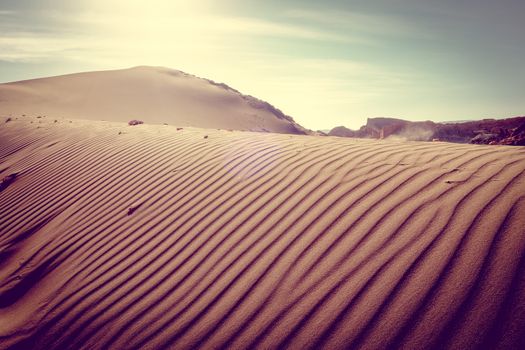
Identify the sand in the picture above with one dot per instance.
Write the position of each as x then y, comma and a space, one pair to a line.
154, 95
116, 236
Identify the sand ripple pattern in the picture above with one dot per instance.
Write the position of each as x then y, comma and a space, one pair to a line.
151, 237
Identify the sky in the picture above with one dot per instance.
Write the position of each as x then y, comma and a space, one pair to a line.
325, 63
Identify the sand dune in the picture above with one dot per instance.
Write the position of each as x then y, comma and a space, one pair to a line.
148, 237
151, 94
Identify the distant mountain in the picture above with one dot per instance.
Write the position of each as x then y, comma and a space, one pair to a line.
151, 94
509, 131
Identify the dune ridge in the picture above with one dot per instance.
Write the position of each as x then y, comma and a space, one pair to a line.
154, 95
250, 240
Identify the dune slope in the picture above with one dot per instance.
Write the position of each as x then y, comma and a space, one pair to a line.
152, 94
147, 237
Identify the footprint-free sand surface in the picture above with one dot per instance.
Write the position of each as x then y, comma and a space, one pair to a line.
155, 95
151, 237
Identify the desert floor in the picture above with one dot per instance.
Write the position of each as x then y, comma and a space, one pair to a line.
151, 236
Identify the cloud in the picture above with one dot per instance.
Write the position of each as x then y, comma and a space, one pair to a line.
199, 24
372, 24
31, 47
258, 27
103, 35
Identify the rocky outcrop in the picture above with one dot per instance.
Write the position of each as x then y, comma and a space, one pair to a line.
484, 131
342, 131
509, 131
380, 128
516, 137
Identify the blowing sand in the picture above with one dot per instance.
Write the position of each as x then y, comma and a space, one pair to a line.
147, 236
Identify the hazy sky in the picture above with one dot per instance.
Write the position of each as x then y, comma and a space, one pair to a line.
325, 63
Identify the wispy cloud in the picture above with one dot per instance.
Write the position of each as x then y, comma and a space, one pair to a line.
212, 24
112, 35
31, 47
370, 23
258, 27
